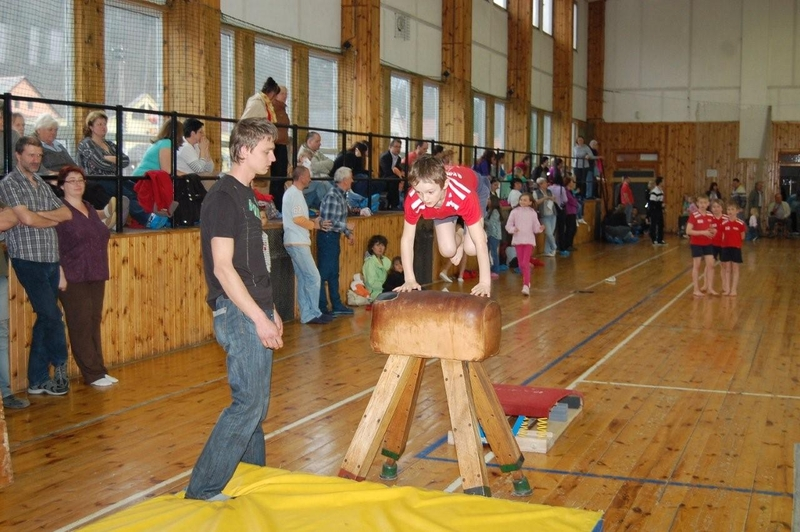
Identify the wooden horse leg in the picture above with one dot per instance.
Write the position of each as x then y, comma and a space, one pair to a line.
394, 443
380, 410
495, 427
465, 428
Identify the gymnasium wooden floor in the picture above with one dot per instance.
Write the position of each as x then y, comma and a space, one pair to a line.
691, 405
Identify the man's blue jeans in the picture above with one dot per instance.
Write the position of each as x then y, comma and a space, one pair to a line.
494, 253
5, 372
328, 250
48, 342
308, 281
238, 435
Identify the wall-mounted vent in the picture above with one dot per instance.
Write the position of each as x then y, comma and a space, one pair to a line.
402, 27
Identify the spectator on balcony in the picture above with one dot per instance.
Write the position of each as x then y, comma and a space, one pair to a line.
319, 185
157, 157
280, 169
320, 164
55, 155
420, 148
98, 157
354, 159
391, 168
483, 166
83, 265
194, 156
18, 123
14, 138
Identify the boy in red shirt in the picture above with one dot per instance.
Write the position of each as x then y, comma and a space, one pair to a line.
442, 194
733, 233
700, 234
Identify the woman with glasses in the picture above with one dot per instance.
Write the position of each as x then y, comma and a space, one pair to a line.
83, 258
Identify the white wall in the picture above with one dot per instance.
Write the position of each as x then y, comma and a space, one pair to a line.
683, 60
422, 53
313, 21
489, 48
580, 61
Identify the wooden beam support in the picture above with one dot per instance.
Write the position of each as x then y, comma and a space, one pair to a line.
562, 77
89, 49
596, 52
456, 90
360, 99
192, 62
244, 44
299, 87
518, 106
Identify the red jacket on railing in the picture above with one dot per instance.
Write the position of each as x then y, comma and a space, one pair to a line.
155, 192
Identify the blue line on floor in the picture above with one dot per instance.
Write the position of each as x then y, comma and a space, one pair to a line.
658, 482
435, 445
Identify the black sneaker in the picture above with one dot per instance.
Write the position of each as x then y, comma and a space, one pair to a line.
49, 387
319, 320
343, 311
60, 375
15, 403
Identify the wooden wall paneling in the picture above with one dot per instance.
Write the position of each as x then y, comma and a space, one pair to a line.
489, 129
155, 301
456, 89
596, 60
300, 88
518, 104
89, 49
416, 107
562, 77
245, 68
192, 62
361, 21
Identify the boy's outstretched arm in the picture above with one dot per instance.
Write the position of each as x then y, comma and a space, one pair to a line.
478, 236
407, 258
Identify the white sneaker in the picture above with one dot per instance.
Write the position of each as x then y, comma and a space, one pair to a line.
112, 379
102, 382
526, 291
582, 221
460, 279
444, 277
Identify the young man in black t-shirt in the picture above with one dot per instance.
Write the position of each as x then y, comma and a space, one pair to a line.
246, 322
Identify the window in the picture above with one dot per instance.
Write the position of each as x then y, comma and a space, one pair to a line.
499, 125
227, 88
574, 26
430, 111
536, 6
501, 3
133, 72
323, 98
479, 121
400, 107
547, 16
274, 61
36, 58
534, 132
546, 132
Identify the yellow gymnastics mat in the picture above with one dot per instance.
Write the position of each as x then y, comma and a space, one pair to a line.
277, 500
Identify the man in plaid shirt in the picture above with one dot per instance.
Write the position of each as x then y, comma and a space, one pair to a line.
334, 209
33, 249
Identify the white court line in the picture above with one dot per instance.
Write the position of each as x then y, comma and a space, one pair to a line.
685, 389
627, 339
153, 489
